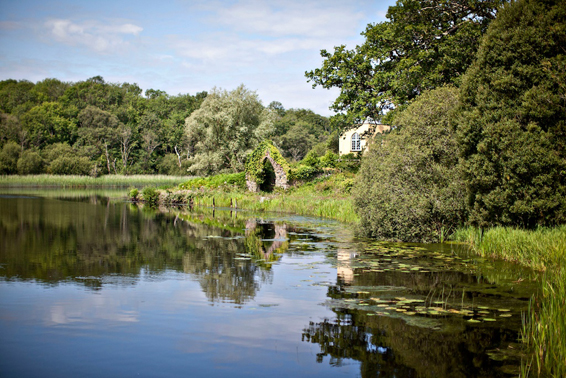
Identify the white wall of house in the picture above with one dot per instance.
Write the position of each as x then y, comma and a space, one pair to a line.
355, 140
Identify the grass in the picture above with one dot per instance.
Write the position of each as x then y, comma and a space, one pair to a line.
544, 327
326, 197
71, 181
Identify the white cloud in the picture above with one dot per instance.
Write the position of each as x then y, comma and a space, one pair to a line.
92, 34
312, 19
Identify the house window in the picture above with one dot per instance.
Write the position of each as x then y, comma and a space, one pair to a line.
356, 142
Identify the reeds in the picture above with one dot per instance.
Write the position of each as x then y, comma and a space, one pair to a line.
544, 327
73, 181
340, 209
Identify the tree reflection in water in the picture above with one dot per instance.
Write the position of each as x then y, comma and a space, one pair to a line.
93, 242
393, 346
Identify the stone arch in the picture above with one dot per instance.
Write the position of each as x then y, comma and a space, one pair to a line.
266, 152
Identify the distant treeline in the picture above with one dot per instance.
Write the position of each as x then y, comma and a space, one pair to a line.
95, 127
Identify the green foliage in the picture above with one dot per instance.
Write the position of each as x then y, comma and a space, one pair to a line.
226, 128
544, 328
297, 141
423, 45
30, 163
513, 129
409, 186
237, 180
311, 160
133, 194
304, 173
70, 165
329, 160
349, 162
150, 195
255, 160
9, 158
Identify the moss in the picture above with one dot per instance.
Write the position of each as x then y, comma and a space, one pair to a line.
254, 161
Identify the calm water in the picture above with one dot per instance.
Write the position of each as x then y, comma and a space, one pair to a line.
92, 287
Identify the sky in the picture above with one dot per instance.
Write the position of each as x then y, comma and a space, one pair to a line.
184, 46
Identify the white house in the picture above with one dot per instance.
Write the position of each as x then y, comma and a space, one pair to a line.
355, 140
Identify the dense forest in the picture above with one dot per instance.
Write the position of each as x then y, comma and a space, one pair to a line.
475, 93
93, 127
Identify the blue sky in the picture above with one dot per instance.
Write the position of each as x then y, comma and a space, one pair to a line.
184, 46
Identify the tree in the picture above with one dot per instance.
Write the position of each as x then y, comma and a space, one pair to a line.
30, 163
297, 141
9, 158
99, 128
226, 127
409, 185
50, 123
423, 45
513, 132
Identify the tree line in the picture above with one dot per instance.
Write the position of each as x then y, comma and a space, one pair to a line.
96, 127
475, 93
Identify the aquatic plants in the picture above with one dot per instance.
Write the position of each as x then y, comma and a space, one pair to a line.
544, 327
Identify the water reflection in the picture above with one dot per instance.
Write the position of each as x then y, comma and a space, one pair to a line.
94, 242
396, 310
414, 311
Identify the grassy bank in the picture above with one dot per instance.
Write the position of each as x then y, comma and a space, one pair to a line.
544, 327
326, 196
71, 181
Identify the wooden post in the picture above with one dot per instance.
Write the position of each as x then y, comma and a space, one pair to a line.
213, 203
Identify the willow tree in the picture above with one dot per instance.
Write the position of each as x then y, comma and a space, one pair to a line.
226, 127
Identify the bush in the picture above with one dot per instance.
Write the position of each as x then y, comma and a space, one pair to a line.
310, 160
133, 194
67, 165
349, 163
150, 196
409, 187
9, 158
30, 163
303, 173
329, 160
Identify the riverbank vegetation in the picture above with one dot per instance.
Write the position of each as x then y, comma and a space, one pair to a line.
76, 181
544, 249
477, 104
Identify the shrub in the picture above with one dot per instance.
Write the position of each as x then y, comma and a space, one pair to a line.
133, 194
310, 160
329, 160
409, 187
68, 165
30, 163
150, 196
9, 158
304, 173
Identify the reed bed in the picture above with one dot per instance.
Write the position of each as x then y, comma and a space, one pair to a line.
341, 209
544, 326
73, 181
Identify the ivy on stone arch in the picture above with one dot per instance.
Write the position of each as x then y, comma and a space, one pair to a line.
257, 167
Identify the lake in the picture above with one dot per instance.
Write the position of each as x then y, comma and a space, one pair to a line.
93, 286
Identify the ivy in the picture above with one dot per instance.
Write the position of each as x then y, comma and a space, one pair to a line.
254, 161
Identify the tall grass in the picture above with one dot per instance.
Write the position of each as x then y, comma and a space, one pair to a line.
544, 327
340, 209
73, 181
